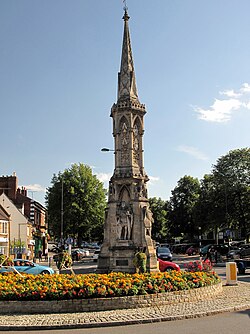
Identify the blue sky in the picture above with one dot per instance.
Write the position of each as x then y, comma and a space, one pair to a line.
59, 61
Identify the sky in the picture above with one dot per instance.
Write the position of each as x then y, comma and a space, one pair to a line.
59, 61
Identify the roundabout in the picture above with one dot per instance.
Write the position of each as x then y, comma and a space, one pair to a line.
231, 298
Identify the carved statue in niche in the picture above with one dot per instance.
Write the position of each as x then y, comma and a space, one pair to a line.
148, 220
124, 143
140, 190
124, 222
136, 154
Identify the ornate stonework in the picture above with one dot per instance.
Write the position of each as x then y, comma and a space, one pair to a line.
128, 218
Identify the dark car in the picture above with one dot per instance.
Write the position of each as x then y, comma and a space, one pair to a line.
245, 251
234, 253
221, 249
193, 250
167, 265
164, 253
181, 248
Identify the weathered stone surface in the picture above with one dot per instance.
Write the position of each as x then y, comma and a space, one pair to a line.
128, 218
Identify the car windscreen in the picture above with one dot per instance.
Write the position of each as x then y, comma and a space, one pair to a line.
163, 250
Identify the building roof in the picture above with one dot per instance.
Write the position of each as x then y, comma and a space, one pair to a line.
4, 214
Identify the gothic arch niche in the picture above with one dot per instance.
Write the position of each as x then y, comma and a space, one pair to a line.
137, 142
124, 196
124, 216
124, 140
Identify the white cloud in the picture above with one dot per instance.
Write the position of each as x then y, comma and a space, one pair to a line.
245, 88
193, 151
153, 180
222, 109
230, 93
35, 187
103, 177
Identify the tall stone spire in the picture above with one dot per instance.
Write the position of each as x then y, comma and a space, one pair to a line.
128, 219
126, 77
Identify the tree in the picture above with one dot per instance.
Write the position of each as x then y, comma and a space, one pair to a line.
232, 179
159, 209
208, 212
182, 202
83, 200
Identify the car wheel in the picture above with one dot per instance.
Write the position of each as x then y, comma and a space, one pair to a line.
44, 272
241, 268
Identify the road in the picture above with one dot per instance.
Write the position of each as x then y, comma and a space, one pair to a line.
226, 323
88, 266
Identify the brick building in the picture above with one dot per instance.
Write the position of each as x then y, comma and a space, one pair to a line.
33, 210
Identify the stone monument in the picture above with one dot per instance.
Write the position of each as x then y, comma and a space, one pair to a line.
128, 218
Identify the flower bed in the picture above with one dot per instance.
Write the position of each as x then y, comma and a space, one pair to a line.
63, 287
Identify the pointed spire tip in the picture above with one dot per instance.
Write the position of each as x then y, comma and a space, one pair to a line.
125, 8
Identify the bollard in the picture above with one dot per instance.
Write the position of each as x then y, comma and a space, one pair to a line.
231, 273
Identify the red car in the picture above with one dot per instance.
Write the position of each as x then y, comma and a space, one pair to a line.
166, 265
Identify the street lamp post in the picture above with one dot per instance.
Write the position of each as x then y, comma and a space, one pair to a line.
226, 202
62, 213
105, 149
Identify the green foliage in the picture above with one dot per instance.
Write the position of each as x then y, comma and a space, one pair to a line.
182, 202
64, 260
6, 261
140, 262
160, 210
231, 179
84, 202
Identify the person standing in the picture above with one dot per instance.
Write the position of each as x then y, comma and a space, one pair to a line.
40, 255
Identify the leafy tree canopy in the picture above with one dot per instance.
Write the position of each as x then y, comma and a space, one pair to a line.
183, 200
78, 199
159, 209
231, 179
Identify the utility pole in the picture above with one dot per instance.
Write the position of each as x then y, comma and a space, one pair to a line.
62, 213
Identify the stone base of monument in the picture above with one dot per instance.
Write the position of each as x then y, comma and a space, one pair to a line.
120, 258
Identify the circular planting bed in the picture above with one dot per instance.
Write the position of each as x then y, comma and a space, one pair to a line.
96, 292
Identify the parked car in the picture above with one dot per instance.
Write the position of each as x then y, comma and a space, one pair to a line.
245, 251
221, 249
78, 254
96, 255
234, 253
180, 248
27, 267
193, 250
55, 249
167, 265
164, 253
51, 247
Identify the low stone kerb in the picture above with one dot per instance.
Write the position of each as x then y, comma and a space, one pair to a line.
105, 304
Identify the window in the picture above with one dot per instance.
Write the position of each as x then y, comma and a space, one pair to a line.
3, 227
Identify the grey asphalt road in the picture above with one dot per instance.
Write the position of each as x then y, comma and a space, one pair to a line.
87, 266
226, 323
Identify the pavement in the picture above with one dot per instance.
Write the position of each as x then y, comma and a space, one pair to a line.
232, 298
